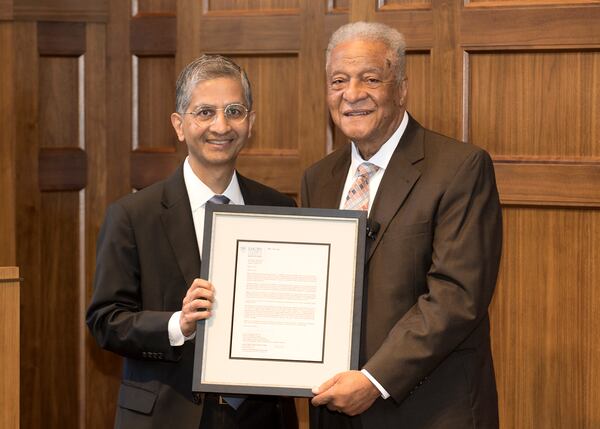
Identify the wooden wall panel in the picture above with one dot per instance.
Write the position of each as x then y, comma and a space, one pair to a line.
404, 4
9, 347
154, 6
538, 104
61, 10
59, 101
545, 318
155, 103
276, 100
418, 71
260, 6
7, 148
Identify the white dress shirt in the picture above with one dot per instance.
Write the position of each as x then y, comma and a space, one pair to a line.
381, 159
199, 194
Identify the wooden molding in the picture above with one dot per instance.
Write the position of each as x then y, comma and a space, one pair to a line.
63, 169
153, 35
548, 183
9, 347
61, 38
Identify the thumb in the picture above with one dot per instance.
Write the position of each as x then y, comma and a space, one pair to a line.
326, 385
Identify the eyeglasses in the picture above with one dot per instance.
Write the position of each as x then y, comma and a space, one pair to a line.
206, 115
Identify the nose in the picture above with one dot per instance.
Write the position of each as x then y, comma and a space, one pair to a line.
355, 91
220, 124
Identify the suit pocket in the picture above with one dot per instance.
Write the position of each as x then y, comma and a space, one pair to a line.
136, 398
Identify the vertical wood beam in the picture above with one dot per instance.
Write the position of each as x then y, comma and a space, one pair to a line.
446, 69
7, 146
9, 347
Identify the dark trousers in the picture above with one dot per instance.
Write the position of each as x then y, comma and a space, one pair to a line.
264, 412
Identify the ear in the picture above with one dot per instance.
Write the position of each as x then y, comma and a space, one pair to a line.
251, 119
403, 91
177, 122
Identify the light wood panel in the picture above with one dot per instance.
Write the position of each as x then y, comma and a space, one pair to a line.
543, 104
155, 6
9, 347
545, 319
260, 6
404, 4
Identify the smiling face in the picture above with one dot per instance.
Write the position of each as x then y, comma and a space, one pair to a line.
214, 145
365, 98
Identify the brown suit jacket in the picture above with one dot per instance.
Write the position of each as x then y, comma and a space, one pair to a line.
431, 272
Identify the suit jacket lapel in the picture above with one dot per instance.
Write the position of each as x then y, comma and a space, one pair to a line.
179, 226
330, 194
398, 179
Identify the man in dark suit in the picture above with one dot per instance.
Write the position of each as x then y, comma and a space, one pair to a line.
433, 256
147, 294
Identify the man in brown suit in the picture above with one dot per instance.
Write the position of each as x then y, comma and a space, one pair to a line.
433, 256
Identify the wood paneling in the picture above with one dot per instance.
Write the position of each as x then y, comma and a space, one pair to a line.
62, 10
404, 4
7, 147
156, 6
550, 183
418, 71
260, 6
9, 347
545, 319
155, 103
153, 35
274, 81
6, 10
61, 38
250, 34
62, 169
543, 104
517, 28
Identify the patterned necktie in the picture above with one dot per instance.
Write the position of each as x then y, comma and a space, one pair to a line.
233, 401
358, 195
219, 199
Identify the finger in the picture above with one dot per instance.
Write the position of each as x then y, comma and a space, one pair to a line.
201, 283
326, 385
322, 399
199, 305
202, 293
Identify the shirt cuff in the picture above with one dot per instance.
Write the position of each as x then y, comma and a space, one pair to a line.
384, 393
176, 337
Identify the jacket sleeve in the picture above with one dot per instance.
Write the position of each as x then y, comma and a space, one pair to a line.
115, 316
466, 247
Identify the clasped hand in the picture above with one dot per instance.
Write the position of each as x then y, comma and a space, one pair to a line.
349, 392
196, 305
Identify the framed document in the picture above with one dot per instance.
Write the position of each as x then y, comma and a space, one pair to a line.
288, 298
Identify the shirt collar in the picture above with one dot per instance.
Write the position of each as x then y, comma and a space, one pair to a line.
199, 193
382, 157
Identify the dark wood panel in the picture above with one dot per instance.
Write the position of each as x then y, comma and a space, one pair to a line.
155, 103
549, 183
386, 5
251, 6
54, 317
61, 38
156, 6
7, 147
531, 27
416, 25
275, 99
62, 169
60, 113
6, 10
250, 34
62, 10
153, 35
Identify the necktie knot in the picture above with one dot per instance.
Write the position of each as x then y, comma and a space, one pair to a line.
219, 199
367, 169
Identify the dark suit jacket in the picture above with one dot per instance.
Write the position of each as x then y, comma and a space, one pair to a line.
147, 257
431, 273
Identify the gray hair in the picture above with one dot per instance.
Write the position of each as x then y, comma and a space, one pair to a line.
390, 37
208, 67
